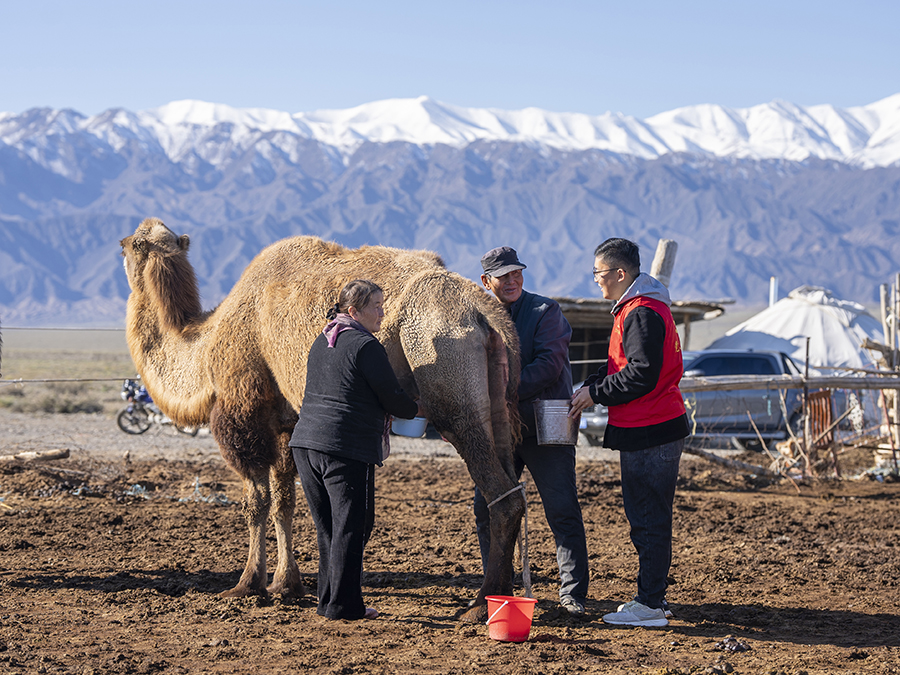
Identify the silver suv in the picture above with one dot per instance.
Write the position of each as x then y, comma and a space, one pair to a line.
725, 415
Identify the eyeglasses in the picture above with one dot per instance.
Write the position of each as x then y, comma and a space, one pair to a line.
611, 269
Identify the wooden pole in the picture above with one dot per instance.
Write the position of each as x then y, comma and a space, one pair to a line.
731, 463
687, 332
664, 261
732, 382
29, 455
896, 310
885, 325
892, 324
806, 421
586, 353
894, 346
887, 418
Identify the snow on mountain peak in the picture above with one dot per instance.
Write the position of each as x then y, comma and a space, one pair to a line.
865, 136
203, 114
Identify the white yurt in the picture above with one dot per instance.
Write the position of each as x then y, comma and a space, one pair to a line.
836, 329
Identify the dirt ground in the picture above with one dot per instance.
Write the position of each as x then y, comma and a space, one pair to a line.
113, 564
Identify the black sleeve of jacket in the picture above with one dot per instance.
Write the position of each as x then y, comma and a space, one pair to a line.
598, 376
643, 337
551, 354
373, 362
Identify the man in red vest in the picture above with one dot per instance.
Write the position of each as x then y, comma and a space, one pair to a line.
647, 421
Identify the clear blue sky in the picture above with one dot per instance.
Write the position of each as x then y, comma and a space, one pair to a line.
631, 56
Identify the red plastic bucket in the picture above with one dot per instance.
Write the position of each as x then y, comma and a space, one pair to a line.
509, 618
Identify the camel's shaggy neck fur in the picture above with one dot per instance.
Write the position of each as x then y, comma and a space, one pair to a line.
173, 288
164, 322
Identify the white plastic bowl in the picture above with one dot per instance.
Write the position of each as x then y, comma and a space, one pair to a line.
414, 428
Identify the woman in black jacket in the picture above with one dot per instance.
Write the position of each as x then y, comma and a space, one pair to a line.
351, 392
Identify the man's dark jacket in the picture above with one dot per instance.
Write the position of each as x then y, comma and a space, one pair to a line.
544, 336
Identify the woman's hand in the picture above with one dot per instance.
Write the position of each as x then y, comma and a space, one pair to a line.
581, 400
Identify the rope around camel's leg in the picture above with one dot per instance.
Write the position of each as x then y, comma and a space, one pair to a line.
523, 549
522, 539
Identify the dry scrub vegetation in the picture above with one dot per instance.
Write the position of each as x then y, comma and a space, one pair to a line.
65, 355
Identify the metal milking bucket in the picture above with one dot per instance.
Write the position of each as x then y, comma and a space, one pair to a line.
554, 426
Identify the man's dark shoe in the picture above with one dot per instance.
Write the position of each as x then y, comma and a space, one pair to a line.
573, 607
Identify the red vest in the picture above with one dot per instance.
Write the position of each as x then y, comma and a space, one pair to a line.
664, 403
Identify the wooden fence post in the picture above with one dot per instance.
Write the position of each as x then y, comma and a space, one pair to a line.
895, 343
664, 261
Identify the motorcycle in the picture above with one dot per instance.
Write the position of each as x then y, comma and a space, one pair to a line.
141, 412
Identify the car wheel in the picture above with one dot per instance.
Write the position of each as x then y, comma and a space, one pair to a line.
750, 445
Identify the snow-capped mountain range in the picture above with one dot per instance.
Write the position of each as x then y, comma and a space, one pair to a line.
808, 194
865, 136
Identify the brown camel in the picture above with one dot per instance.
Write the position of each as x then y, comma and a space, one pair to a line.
241, 369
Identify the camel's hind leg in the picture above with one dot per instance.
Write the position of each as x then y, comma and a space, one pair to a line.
286, 580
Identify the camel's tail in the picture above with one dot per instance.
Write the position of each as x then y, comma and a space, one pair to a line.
504, 360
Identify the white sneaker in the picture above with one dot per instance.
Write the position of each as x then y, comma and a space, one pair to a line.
635, 614
665, 607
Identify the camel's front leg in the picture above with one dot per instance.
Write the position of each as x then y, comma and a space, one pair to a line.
506, 515
495, 476
286, 580
494, 479
255, 506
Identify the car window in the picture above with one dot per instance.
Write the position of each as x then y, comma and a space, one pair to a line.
737, 364
790, 367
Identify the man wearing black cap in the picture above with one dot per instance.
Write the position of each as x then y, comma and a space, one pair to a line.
544, 336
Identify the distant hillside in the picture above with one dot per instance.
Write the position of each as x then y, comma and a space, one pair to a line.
72, 186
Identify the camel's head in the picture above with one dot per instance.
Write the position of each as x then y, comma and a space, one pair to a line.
151, 237
158, 271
